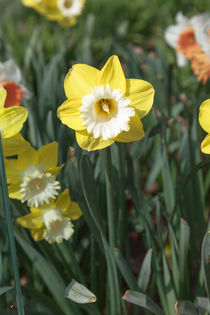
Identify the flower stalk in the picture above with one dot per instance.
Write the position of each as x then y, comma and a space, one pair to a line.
110, 199
10, 232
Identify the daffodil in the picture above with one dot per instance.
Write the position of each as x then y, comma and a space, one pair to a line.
32, 176
183, 36
204, 119
11, 122
63, 11
52, 221
11, 80
103, 106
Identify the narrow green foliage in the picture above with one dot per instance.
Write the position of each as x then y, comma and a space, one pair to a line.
145, 271
183, 260
205, 257
142, 300
185, 308
79, 293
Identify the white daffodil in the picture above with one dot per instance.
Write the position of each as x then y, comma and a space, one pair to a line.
182, 36
11, 80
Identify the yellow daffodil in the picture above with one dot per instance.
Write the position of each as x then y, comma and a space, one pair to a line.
63, 11
52, 221
11, 122
15, 145
204, 119
103, 106
32, 176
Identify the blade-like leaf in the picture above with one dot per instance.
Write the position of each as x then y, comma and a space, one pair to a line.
203, 304
142, 300
205, 257
125, 270
185, 308
145, 272
5, 289
183, 253
79, 293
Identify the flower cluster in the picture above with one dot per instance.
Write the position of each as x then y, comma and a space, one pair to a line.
191, 40
63, 11
31, 177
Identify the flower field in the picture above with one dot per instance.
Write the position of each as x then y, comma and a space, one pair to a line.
104, 157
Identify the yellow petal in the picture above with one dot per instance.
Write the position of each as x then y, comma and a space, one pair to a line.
54, 170
73, 212
204, 115
14, 190
3, 95
31, 220
44, 207
28, 158
205, 145
11, 120
12, 171
141, 94
69, 114
112, 74
135, 133
48, 155
14, 145
87, 142
80, 81
63, 200
38, 234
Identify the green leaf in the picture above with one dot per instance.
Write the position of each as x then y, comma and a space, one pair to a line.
205, 258
145, 272
168, 187
170, 291
185, 308
5, 289
183, 253
48, 273
125, 270
87, 179
142, 300
203, 304
79, 293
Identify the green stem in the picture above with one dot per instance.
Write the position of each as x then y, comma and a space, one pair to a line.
10, 231
110, 199
121, 225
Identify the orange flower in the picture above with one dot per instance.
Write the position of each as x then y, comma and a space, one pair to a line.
14, 94
201, 66
187, 44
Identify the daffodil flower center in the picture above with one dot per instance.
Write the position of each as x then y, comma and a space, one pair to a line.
38, 187
57, 226
70, 8
68, 3
106, 112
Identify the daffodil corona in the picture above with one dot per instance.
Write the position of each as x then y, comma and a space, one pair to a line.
204, 119
32, 176
103, 106
52, 221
